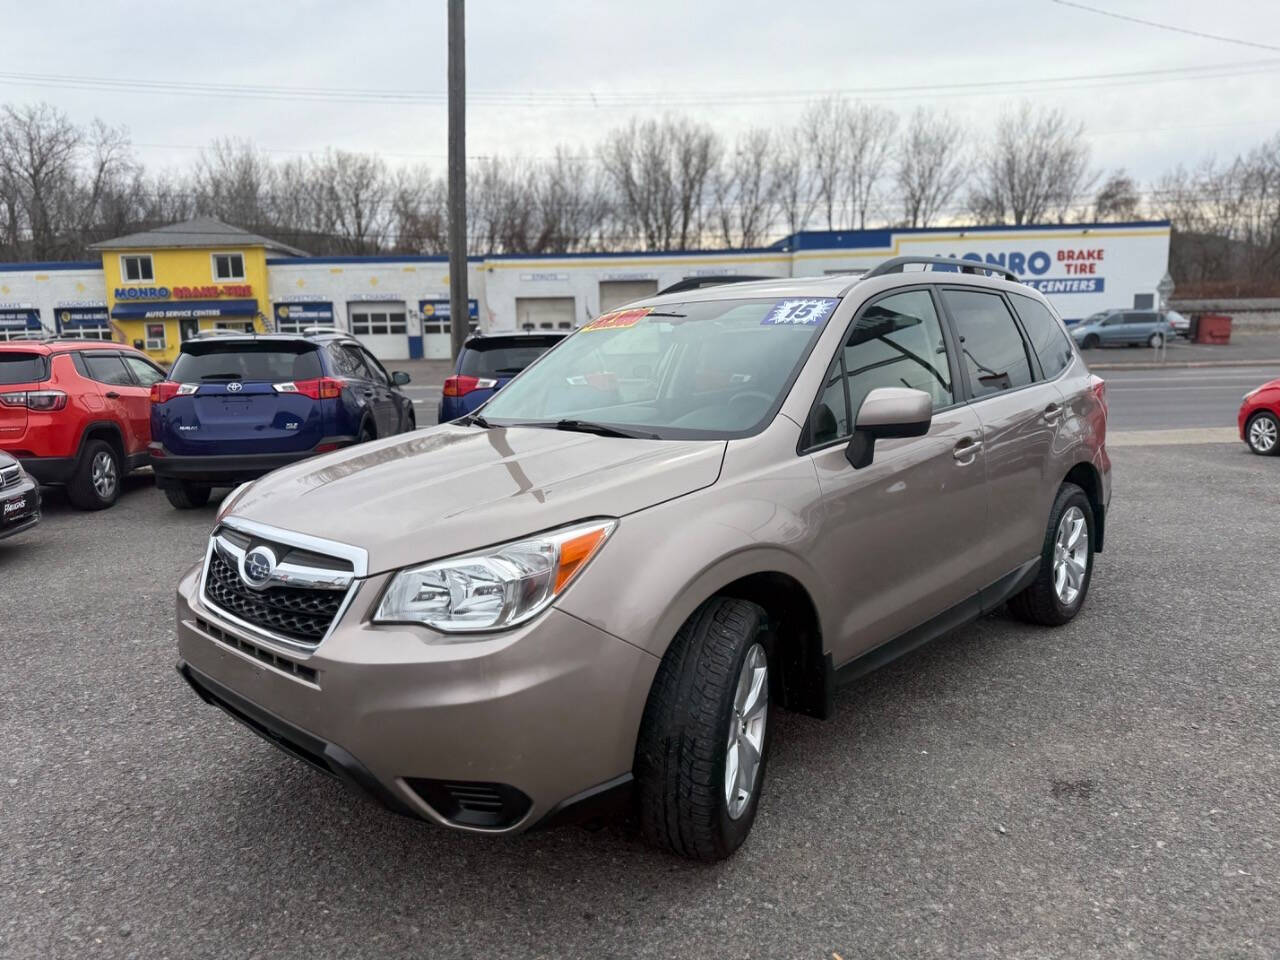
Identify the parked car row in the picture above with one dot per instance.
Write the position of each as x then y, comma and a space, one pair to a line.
1110, 328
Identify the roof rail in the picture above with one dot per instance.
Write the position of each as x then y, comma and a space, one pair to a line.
321, 330
697, 283
896, 265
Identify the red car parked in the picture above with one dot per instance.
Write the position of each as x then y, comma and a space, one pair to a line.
1259, 419
76, 412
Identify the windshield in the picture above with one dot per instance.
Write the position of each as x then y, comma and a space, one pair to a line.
261, 360
498, 357
709, 369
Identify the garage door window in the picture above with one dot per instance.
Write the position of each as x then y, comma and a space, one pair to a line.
378, 323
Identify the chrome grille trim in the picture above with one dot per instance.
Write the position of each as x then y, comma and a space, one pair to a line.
301, 577
9, 476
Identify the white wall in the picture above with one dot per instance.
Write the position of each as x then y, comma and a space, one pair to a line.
47, 289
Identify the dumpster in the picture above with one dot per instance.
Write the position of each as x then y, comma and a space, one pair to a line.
1213, 328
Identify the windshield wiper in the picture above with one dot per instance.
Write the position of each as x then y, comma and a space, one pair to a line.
600, 429
221, 376
474, 419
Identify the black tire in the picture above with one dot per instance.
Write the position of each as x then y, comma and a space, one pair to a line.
411, 422
1090, 342
1264, 416
188, 496
367, 433
1039, 602
682, 749
95, 485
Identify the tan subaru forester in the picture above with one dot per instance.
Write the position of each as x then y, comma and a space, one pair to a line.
696, 510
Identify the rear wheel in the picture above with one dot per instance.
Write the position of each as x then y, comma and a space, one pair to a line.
188, 496
1090, 342
1155, 340
367, 433
704, 739
1057, 593
1262, 433
96, 483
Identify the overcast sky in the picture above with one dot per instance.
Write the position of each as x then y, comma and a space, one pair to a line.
643, 58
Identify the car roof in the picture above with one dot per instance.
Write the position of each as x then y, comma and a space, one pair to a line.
63, 345
517, 335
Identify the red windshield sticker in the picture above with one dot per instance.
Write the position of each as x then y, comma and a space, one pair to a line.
618, 319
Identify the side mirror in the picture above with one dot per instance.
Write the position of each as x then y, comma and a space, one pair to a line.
887, 412
399, 378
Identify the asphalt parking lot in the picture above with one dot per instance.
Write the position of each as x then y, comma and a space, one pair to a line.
1111, 788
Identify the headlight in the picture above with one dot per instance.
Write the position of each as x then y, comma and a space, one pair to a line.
496, 588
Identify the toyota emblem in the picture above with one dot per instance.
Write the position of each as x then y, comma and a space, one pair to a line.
235, 386
259, 564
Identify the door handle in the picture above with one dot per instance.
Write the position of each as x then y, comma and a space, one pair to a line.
112, 395
1052, 412
966, 449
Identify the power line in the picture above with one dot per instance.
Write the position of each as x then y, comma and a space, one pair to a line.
625, 98
1166, 26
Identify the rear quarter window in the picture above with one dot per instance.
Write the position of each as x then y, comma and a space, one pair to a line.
22, 367
272, 362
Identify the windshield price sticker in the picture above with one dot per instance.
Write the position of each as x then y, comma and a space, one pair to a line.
806, 312
618, 319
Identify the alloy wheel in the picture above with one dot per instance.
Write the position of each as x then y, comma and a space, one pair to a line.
1263, 434
104, 475
746, 731
1070, 555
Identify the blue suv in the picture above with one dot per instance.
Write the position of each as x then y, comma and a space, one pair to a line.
486, 365
235, 407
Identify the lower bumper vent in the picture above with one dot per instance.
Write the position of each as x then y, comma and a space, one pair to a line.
258, 653
492, 805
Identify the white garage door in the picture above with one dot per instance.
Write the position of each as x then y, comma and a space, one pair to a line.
544, 313
614, 293
382, 327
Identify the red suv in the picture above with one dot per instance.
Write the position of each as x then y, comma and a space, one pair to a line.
76, 412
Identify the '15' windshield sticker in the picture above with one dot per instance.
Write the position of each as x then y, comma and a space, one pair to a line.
806, 312
618, 319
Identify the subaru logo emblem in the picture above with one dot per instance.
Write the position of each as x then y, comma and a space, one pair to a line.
234, 386
258, 566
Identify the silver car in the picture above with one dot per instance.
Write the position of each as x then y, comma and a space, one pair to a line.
695, 511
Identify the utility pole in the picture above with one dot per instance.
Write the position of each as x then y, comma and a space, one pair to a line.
459, 315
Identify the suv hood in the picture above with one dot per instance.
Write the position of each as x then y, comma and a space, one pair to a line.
434, 493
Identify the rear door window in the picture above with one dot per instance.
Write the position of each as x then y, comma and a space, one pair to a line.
1048, 339
22, 367
503, 358
144, 372
261, 360
994, 353
107, 368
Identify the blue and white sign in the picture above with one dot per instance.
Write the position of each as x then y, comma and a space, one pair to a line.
77, 318
14, 317
801, 312
312, 312
142, 293
441, 310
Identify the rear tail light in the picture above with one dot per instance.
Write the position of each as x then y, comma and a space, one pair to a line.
42, 400
322, 388
461, 385
166, 390
1099, 388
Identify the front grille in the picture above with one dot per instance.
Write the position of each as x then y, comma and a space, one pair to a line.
292, 667
301, 614
9, 476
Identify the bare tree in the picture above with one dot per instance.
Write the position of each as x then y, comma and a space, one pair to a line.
232, 181
355, 192
573, 204
824, 131
39, 153
745, 194
1117, 199
1036, 165
796, 189
869, 133
931, 167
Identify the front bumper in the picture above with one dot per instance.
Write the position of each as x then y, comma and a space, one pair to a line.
227, 469
19, 508
545, 715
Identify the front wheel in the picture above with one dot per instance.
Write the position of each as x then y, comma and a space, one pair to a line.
1057, 593
704, 739
1263, 434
